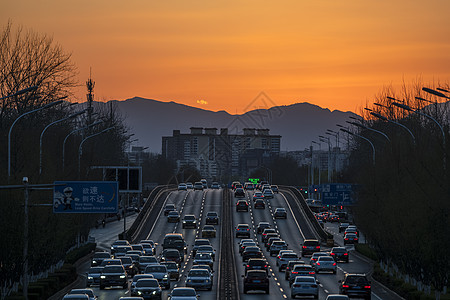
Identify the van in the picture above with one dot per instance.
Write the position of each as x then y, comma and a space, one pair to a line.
175, 241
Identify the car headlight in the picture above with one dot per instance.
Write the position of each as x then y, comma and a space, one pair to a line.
189, 280
94, 261
139, 293
165, 276
90, 277
102, 276
154, 292
207, 280
122, 276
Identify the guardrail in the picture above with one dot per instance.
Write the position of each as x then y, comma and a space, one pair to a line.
309, 214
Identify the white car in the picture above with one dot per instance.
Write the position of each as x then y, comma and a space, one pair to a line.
268, 194
325, 263
182, 187
183, 293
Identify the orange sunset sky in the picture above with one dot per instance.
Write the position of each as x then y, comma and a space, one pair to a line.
219, 55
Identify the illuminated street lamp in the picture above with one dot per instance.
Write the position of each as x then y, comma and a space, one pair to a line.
15, 121
366, 139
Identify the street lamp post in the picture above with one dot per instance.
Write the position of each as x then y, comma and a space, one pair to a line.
366, 139
320, 150
393, 122
73, 131
368, 128
45, 129
15, 121
80, 148
327, 140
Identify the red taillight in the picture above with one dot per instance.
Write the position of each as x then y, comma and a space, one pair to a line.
345, 286
332, 254
248, 266
312, 272
304, 247
265, 266
346, 239
367, 286
345, 253
334, 264
248, 229
293, 272
317, 247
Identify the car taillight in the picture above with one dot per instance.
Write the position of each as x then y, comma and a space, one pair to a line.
345, 286
317, 247
334, 264
332, 254
318, 263
367, 286
293, 272
248, 266
312, 272
248, 229
265, 266
304, 247
345, 253
346, 239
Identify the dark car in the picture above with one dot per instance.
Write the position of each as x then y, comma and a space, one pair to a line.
259, 203
242, 205
243, 230
173, 217
339, 254
198, 243
256, 280
251, 252
256, 264
261, 226
208, 231
212, 217
130, 267
113, 275
290, 265
189, 221
147, 289
175, 241
266, 232
350, 238
239, 193
274, 188
198, 186
171, 255
98, 258
355, 285
280, 213
93, 276
168, 208
310, 246
172, 269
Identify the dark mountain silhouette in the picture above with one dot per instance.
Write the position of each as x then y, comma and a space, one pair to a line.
298, 124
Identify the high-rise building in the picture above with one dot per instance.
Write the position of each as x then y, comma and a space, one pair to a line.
221, 155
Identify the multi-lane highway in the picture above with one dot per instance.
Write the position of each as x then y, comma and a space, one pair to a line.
294, 229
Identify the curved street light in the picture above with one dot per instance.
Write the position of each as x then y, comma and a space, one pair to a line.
401, 125
15, 121
366, 139
434, 92
314, 142
368, 128
45, 129
80, 148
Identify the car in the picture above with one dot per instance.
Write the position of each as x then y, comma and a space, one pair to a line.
248, 186
301, 270
207, 249
251, 252
215, 185
148, 249
208, 231
135, 280
148, 288
316, 256
280, 213
305, 286
350, 238
290, 265
242, 230
129, 265
76, 297
113, 275
203, 259
189, 221
266, 232
198, 186
144, 261
134, 253
256, 280
131, 298
325, 263
111, 261
274, 188
172, 269
256, 264
239, 193
160, 273
212, 217
339, 254
98, 258
246, 244
261, 226
118, 243
284, 259
276, 246
238, 186
173, 217
351, 229
268, 194
199, 279
182, 187
207, 267
145, 243
258, 195
168, 208
183, 293
259, 203
271, 239
189, 185
242, 205
204, 183
310, 246
198, 243
355, 285
93, 275
343, 226
171, 255
337, 297
333, 218
88, 292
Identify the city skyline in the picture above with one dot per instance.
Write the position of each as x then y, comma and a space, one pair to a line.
221, 55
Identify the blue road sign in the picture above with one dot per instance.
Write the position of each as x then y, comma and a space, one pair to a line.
85, 197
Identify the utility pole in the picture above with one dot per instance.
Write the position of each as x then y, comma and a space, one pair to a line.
90, 96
